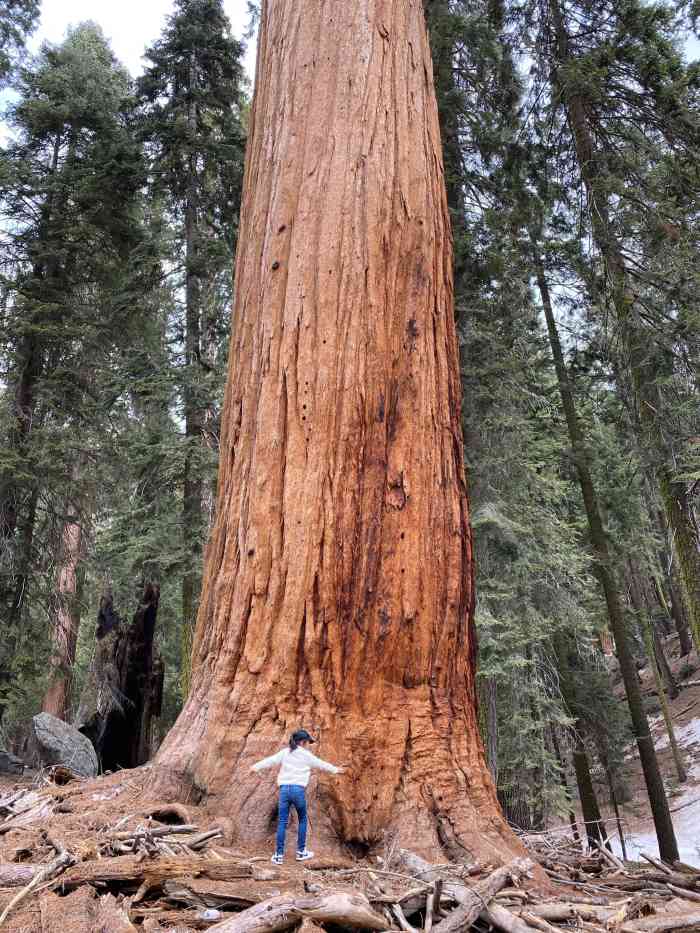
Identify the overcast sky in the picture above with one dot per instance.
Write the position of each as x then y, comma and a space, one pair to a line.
130, 25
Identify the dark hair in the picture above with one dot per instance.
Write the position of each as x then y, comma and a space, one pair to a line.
301, 735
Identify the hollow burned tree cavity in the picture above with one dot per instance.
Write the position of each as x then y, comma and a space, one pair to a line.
338, 588
124, 690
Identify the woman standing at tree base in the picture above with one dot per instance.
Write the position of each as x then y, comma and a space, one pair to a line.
297, 762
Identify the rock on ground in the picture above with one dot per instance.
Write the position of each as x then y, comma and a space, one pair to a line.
9, 763
55, 742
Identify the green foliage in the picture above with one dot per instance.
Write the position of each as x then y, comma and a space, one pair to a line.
18, 19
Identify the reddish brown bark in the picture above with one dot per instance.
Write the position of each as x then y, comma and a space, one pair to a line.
338, 588
66, 622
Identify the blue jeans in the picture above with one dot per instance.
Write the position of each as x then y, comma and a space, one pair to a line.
291, 795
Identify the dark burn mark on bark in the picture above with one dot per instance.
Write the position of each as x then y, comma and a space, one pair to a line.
302, 665
384, 623
392, 415
381, 412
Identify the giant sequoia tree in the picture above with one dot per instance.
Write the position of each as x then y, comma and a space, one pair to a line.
338, 582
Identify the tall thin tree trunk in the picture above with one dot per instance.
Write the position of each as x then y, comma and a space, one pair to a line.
488, 712
564, 782
642, 370
66, 621
668, 562
442, 43
605, 573
639, 598
646, 625
338, 587
616, 808
593, 821
194, 414
15, 594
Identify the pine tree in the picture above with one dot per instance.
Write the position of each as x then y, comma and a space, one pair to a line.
18, 19
70, 230
192, 100
632, 52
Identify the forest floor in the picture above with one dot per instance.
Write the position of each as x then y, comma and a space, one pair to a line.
684, 799
95, 856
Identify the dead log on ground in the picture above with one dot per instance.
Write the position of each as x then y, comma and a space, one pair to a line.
504, 920
134, 868
13, 875
83, 912
281, 913
662, 923
203, 892
475, 899
59, 864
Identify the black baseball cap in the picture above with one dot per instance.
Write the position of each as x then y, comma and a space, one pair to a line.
301, 735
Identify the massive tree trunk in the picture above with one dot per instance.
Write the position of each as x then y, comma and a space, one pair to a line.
338, 588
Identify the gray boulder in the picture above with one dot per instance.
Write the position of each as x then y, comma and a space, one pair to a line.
54, 742
9, 763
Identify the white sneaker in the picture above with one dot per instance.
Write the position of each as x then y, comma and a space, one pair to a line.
303, 855
277, 859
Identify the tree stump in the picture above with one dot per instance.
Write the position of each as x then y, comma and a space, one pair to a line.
124, 691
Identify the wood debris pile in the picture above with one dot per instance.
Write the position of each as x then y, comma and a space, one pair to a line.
63, 871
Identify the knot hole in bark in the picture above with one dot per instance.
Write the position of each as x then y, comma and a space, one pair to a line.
396, 496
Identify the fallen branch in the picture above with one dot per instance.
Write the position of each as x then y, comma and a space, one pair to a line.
283, 912
12, 875
401, 917
504, 920
656, 863
135, 868
476, 899
63, 860
684, 892
662, 923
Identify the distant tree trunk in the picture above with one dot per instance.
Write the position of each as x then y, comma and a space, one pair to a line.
125, 685
13, 593
442, 44
614, 802
595, 827
194, 414
66, 621
489, 717
564, 782
605, 573
678, 611
338, 589
641, 608
669, 564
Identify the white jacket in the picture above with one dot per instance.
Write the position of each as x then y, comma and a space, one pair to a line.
296, 765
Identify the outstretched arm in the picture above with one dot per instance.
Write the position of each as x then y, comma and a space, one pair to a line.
322, 765
268, 762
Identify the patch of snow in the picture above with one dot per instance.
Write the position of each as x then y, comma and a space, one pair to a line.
685, 813
689, 734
